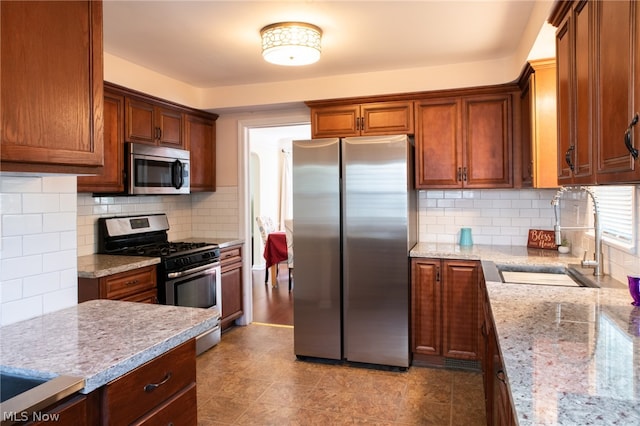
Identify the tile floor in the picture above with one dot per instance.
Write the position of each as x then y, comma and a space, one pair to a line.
252, 377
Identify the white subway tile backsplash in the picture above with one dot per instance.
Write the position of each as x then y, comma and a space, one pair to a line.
60, 299
40, 284
21, 224
10, 290
11, 247
40, 203
20, 267
11, 203
21, 309
40, 243
20, 184
58, 222
60, 184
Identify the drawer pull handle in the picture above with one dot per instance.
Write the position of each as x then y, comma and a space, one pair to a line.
153, 386
132, 282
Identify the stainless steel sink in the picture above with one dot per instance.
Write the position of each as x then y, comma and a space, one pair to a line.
27, 394
12, 385
570, 276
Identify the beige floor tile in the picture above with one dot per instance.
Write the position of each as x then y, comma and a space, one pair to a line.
252, 377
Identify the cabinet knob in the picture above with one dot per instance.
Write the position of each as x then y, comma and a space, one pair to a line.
627, 137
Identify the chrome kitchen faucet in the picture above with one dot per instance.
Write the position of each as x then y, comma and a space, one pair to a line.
596, 263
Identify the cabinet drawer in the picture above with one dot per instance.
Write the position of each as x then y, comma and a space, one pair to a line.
149, 296
181, 409
134, 394
230, 256
127, 283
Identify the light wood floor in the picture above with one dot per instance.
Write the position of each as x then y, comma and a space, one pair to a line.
252, 377
273, 305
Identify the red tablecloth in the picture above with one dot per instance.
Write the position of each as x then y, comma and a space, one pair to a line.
275, 251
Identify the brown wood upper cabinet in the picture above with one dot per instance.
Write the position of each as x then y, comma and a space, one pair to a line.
538, 142
366, 119
465, 141
597, 50
111, 178
152, 123
200, 140
51, 78
199, 137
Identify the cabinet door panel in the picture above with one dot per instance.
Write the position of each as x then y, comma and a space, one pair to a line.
460, 309
387, 118
327, 122
438, 144
426, 324
200, 141
111, 179
617, 50
51, 79
488, 142
563, 72
584, 99
170, 128
527, 108
139, 122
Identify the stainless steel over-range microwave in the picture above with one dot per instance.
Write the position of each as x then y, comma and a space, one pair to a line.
153, 170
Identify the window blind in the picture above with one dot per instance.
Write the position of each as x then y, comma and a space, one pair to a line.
616, 212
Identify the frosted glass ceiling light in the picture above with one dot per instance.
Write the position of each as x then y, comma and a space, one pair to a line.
291, 43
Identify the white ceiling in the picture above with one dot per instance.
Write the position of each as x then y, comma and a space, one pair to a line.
208, 44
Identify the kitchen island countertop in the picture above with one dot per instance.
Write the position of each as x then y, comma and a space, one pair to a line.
98, 340
571, 355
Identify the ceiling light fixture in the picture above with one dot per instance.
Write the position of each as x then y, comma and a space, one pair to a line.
291, 43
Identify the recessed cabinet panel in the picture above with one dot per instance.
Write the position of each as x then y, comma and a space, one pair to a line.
366, 119
465, 142
170, 124
438, 143
111, 179
426, 314
140, 122
488, 143
598, 58
200, 140
385, 118
334, 121
51, 77
563, 70
445, 309
618, 24
584, 100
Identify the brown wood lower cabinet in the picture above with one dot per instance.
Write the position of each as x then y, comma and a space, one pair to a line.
444, 314
137, 285
161, 391
72, 411
499, 406
155, 391
232, 295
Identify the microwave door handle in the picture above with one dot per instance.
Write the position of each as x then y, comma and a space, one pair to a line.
176, 171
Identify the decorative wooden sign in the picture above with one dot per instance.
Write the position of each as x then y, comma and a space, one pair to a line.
540, 238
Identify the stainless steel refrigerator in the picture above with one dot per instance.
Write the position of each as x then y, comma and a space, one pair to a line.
354, 223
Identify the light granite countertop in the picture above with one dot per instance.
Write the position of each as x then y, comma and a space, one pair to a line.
222, 242
98, 340
101, 265
571, 355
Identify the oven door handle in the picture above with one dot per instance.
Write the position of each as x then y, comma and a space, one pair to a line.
210, 267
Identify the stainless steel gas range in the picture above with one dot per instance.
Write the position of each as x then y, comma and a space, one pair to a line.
188, 273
